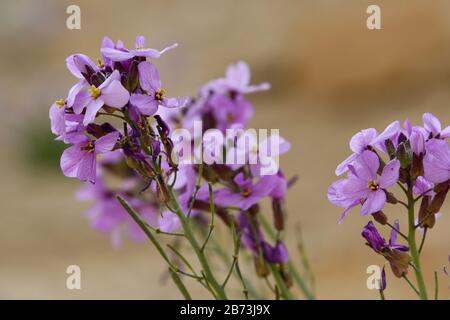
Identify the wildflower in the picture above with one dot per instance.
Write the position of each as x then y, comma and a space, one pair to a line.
119, 53
437, 161
247, 193
106, 215
81, 66
393, 252
110, 93
154, 94
253, 239
79, 160
433, 127
363, 185
237, 81
364, 139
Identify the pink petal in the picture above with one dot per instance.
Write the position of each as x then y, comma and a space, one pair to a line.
81, 101
366, 165
87, 167
388, 133
431, 123
115, 95
238, 74
390, 174
116, 55
107, 142
343, 166
445, 133
91, 110
362, 139
149, 77
374, 202
70, 160
115, 75
146, 104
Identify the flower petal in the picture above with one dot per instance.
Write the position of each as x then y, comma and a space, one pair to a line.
115, 95
149, 77
87, 167
374, 202
431, 123
147, 105
107, 142
116, 55
390, 174
70, 160
91, 111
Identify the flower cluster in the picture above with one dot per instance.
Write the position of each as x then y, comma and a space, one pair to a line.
416, 159
130, 154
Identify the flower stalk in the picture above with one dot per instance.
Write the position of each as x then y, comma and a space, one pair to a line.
415, 255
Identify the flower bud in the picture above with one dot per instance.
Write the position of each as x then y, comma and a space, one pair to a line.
426, 218
404, 155
286, 276
380, 217
398, 260
438, 200
132, 80
417, 166
278, 213
390, 198
390, 148
260, 266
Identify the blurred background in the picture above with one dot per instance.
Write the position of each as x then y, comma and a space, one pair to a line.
331, 77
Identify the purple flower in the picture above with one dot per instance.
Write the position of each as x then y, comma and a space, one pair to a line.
253, 239
81, 66
247, 194
108, 216
437, 161
237, 80
377, 243
422, 186
434, 128
154, 95
363, 185
110, 93
228, 111
79, 160
393, 252
118, 53
365, 138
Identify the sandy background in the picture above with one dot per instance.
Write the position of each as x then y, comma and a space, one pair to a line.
331, 77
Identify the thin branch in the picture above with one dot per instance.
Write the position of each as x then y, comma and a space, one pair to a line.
436, 286
422, 194
423, 239
197, 188
213, 214
180, 284
398, 231
411, 285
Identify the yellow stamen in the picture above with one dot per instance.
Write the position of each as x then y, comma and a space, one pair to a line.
94, 92
159, 95
100, 63
373, 185
246, 193
89, 147
60, 103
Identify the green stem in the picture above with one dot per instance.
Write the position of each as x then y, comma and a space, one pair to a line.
413, 246
211, 280
285, 293
180, 284
292, 269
